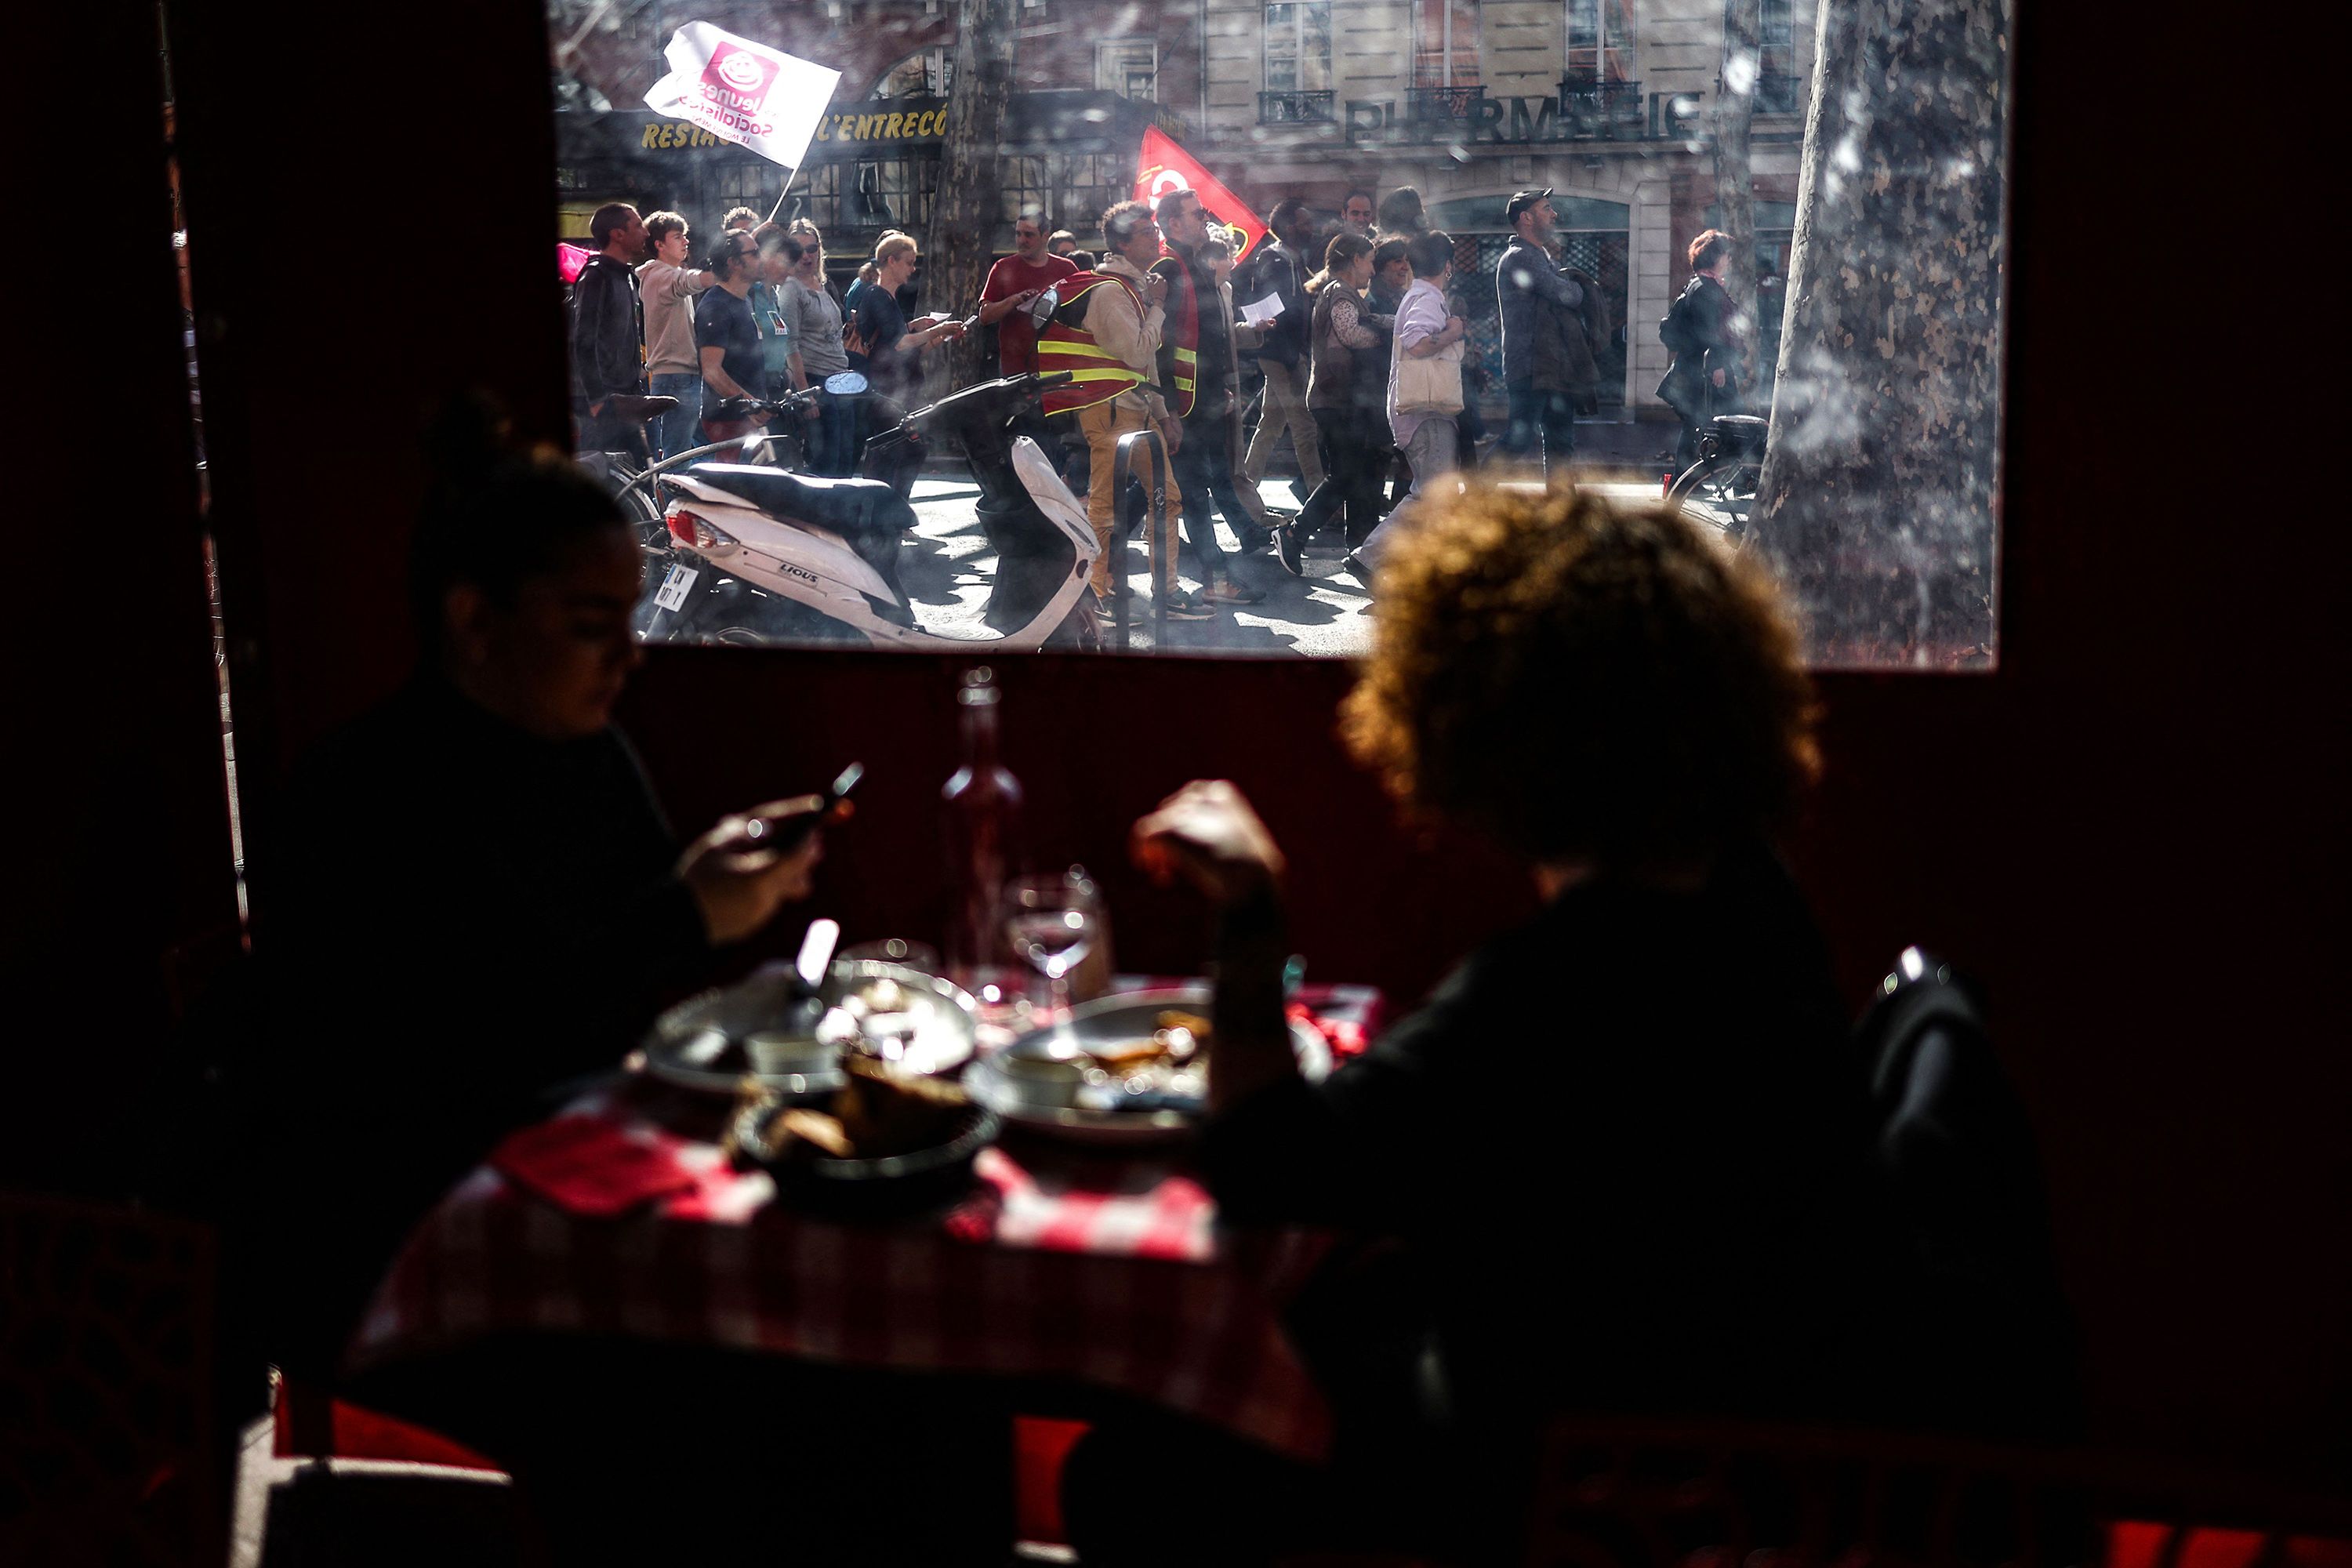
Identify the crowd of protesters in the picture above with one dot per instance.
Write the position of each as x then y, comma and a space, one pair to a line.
1366, 369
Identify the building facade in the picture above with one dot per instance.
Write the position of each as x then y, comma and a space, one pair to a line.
1609, 102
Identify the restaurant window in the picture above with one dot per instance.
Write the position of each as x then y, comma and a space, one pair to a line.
1129, 68
1298, 47
926, 73
1092, 183
1024, 189
1445, 43
816, 195
1619, 123
893, 193
1599, 40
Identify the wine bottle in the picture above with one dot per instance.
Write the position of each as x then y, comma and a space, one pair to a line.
984, 848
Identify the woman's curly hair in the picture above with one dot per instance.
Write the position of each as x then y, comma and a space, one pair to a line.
1576, 679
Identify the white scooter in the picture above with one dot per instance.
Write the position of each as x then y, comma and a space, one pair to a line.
761, 554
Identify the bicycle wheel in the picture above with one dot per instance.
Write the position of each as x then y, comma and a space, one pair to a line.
1718, 493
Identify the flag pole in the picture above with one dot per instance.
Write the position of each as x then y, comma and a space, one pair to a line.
782, 193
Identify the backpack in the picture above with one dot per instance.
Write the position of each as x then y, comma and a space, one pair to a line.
1674, 326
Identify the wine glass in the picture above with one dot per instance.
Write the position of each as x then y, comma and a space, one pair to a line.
1050, 924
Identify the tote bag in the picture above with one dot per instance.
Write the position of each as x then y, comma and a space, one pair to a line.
1429, 385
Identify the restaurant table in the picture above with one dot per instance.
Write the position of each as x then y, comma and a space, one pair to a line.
1104, 1268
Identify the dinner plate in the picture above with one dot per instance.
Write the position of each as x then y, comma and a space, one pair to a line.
1020, 1084
706, 1042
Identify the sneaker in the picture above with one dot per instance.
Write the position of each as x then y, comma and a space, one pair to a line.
1183, 606
1361, 568
1106, 617
1286, 545
1229, 592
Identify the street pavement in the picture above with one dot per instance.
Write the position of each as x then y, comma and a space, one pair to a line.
1327, 614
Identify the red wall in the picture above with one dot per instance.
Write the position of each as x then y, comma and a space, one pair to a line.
2133, 831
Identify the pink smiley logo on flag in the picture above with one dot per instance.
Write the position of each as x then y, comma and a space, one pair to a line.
741, 73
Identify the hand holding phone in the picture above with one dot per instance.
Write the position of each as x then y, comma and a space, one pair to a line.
784, 834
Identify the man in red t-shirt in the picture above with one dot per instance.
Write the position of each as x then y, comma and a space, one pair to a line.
1012, 284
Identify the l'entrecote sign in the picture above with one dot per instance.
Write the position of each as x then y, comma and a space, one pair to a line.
746, 93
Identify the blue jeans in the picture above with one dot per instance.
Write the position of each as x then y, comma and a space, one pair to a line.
680, 429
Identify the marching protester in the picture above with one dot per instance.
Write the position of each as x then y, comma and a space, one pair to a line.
726, 336
739, 220
1015, 283
608, 336
1424, 388
1401, 214
1254, 522
1107, 331
1346, 393
1356, 214
1547, 354
1703, 379
1064, 244
668, 289
879, 340
1391, 276
779, 253
813, 319
1196, 366
1280, 268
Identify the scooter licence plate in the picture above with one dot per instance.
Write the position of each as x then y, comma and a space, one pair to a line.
672, 593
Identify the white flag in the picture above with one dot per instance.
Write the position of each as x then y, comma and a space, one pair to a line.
748, 93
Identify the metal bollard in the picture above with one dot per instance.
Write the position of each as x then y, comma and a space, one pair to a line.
1122, 467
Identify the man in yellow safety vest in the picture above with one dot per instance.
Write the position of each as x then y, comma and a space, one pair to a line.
1106, 333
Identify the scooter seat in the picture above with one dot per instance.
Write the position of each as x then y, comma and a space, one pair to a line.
866, 513
846, 506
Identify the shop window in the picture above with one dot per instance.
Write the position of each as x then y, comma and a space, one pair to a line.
1129, 68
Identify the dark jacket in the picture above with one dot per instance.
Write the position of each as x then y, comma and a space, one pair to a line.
1628, 1150
466, 916
608, 331
1275, 270
1569, 340
1536, 304
1688, 386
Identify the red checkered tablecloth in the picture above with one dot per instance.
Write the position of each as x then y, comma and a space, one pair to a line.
1106, 1269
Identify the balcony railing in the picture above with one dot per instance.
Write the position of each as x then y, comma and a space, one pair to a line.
1453, 102
1606, 111
1296, 108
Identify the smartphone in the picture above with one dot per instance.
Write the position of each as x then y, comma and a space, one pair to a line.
784, 834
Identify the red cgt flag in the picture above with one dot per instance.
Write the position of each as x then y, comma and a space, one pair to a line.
1164, 167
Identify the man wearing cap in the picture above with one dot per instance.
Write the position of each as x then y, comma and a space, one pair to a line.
1539, 305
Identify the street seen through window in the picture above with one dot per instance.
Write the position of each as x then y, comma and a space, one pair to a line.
936, 325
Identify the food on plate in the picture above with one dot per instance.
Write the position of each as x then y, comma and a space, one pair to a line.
873, 1116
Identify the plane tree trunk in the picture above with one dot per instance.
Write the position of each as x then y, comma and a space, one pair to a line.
1876, 503
964, 210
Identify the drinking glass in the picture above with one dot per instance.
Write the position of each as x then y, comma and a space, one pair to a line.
1050, 922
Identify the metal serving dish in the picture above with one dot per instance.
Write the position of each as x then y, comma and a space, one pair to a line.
894, 1183
712, 1041
1030, 1082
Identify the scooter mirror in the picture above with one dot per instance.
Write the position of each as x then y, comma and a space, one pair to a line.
849, 383
1042, 309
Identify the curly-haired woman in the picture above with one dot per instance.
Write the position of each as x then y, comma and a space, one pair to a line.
1624, 1145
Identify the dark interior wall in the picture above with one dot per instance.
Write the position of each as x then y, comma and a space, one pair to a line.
116, 874
2132, 831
